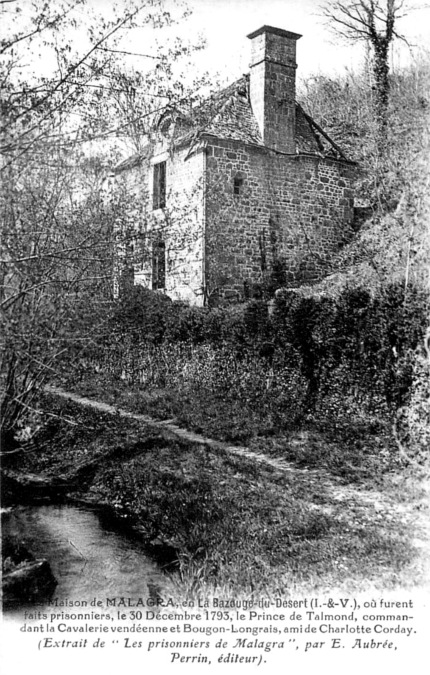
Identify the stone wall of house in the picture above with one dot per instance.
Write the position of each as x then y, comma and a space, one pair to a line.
235, 213
179, 224
265, 210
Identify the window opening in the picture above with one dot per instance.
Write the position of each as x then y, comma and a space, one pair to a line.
165, 126
159, 266
159, 195
237, 185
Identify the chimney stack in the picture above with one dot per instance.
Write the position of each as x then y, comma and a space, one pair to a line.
273, 86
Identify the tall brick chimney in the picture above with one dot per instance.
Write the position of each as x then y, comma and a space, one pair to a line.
273, 86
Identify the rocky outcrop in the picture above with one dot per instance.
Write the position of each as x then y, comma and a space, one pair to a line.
30, 581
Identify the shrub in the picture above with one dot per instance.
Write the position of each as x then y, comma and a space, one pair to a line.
142, 313
331, 356
374, 338
413, 420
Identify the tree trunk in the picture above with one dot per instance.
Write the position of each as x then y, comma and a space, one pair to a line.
382, 91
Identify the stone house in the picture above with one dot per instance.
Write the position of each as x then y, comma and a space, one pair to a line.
241, 189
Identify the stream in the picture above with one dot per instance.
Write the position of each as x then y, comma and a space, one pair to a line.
88, 558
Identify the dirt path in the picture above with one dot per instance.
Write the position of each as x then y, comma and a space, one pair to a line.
339, 493
174, 431
171, 429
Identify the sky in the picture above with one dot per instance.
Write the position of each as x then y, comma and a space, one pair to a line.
226, 23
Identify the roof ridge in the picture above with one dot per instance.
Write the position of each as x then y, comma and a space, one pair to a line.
228, 115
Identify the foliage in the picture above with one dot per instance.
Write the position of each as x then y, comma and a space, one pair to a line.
343, 106
62, 130
56, 272
376, 23
238, 373
389, 256
141, 312
412, 424
374, 337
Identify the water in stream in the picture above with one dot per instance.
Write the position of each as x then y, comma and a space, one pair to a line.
88, 559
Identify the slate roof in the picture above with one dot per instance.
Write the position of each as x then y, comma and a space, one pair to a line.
228, 116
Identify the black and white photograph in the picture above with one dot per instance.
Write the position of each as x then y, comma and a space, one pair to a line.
215, 336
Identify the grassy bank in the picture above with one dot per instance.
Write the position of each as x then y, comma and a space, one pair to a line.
340, 438
238, 527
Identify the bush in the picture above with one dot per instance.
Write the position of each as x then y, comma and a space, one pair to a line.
413, 420
374, 338
142, 313
330, 356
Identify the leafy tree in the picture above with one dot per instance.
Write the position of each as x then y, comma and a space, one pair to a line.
61, 131
374, 22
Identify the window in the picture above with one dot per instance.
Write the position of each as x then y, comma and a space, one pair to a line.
237, 185
166, 126
159, 195
159, 265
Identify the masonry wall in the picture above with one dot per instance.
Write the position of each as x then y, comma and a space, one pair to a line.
273, 88
180, 224
292, 212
